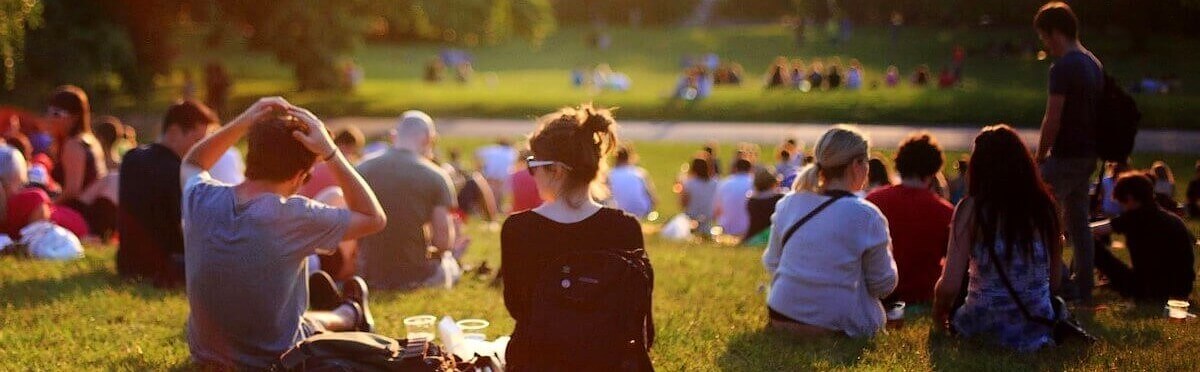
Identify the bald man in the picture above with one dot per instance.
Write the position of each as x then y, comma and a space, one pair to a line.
417, 197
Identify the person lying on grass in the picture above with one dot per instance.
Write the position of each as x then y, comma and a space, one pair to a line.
246, 246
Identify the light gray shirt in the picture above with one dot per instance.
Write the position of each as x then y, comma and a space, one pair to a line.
701, 198
835, 268
246, 270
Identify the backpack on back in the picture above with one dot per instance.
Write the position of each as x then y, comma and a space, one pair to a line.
1117, 120
591, 311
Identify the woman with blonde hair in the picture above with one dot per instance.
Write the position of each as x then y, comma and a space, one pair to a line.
829, 251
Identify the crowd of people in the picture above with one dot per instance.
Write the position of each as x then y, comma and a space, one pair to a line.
283, 244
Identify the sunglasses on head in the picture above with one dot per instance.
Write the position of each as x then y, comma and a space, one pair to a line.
532, 162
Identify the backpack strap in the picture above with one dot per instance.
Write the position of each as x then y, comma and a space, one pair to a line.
1013, 292
803, 220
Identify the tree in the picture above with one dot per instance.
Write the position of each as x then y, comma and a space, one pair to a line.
16, 16
312, 36
77, 43
469, 22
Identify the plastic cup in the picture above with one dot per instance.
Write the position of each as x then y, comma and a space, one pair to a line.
474, 329
1177, 309
421, 327
895, 314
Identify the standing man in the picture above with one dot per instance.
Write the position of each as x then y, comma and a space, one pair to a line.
415, 193
1067, 149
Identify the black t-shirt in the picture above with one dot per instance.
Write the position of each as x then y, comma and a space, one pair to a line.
760, 210
1079, 77
1160, 250
149, 213
529, 241
1193, 195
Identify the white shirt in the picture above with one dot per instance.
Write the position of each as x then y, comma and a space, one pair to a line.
230, 169
497, 161
732, 194
628, 185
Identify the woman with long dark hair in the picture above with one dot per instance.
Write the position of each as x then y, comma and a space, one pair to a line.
78, 157
1006, 229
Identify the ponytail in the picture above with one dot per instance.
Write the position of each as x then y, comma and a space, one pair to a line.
836, 149
808, 180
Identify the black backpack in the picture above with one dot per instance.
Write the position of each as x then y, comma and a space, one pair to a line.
591, 312
1117, 120
361, 351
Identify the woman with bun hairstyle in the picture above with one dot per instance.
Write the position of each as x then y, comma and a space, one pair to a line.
568, 149
830, 272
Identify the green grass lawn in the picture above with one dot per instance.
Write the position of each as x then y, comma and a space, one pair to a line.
528, 79
709, 310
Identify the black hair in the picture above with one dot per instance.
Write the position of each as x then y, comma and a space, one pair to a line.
188, 115
1134, 186
919, 156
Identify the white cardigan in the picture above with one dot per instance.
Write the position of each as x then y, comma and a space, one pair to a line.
835, 268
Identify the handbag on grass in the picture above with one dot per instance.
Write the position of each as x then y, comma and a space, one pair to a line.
1064, 327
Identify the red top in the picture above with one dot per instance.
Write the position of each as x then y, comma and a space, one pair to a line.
322, 178
919, 222
524, 191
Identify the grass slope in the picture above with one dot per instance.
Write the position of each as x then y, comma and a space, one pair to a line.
533, 79
709, 309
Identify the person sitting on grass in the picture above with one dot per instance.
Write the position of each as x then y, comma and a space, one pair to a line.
1160, 246
697, 195
631, 186
918, 219
246, 246
878, 176
1164, 187
419, 197
151, 244
830, 276
567, 150
1006, 231
761, 206
1193, 194
729, 207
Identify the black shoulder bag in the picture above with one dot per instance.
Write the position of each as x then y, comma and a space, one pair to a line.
803, 220
1064, 327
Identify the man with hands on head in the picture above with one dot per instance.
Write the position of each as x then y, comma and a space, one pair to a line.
246, 245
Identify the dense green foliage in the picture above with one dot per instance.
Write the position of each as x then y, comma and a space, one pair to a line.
16, 16
708, 308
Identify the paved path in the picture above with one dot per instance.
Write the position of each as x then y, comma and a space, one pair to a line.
1156, 141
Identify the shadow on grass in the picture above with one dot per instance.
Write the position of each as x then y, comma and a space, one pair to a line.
949, 353
773, 350
45, 291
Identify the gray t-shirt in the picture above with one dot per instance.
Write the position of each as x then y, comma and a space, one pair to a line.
246, 270
409, 187
701, 197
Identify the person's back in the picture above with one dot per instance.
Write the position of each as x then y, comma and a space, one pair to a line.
497, 161
409, 187
628, 186
1079, 77
919, 224
732, 194
831, 274
151, 243
530, 241
701, 194
566, 152
1160, 251
252, 254
990, 309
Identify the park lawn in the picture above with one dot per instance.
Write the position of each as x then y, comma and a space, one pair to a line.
709, 311
516, 79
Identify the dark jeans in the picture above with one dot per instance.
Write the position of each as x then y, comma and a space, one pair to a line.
1070, 178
